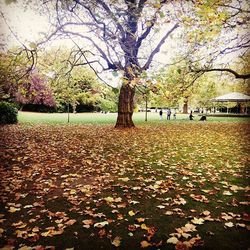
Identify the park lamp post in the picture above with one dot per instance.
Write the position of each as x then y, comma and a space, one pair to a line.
146, 114
68, 109
146, 93
68, 97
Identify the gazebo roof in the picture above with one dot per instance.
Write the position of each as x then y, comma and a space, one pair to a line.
232, 97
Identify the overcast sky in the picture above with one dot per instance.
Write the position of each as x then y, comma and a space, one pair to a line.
24, 23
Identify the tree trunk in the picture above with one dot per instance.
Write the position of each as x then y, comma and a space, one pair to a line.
125, 107
185, 107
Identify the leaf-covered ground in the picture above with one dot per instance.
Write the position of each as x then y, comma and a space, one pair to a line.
166, 186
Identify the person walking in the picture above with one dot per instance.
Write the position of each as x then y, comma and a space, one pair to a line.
174, 115
161, 113
168, 114
191, 117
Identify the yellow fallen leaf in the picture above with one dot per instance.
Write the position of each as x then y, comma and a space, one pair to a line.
126, 179
139, 220
143, 226
145, 244
13, 209
197, 221
172, 240
227, 193
109, 199
72, 191
45, 234
88, 161
117, 241
21, 234
25, 248
131, 213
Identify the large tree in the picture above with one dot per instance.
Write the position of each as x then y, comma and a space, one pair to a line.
125, 35
117, 31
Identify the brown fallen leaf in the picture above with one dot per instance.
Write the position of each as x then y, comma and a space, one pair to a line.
70, 222
145, 244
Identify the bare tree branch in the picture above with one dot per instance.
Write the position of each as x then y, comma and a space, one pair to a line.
237, 75
157, 48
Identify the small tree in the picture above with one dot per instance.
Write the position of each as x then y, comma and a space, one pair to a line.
34, 90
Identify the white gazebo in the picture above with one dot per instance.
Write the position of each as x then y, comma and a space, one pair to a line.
232, 97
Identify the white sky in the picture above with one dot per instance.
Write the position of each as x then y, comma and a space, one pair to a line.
25, 24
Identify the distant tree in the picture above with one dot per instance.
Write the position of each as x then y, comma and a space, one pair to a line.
176, 83
73, 85
108, 100
35, 90
20, 84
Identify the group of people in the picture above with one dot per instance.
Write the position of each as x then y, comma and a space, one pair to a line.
191, 117
168, 114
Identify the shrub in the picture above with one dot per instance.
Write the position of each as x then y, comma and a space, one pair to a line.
8, 113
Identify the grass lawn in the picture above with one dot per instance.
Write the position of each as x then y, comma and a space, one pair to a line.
164, 185
110, 118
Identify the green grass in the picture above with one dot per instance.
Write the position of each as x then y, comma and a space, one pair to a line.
110, 118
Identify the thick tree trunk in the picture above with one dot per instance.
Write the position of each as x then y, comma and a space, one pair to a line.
125, 107
185, 107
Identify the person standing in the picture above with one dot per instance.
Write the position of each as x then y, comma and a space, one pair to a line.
161, 114
174, 114
168, 114
191, 117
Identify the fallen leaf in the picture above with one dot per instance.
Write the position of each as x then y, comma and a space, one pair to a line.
145, 244
160, 207
172, 240
168, 213
206, 213
227, 193
13, 209
101, 224
70, 222
117, 241
197, 221
131, 213
126, 179
229, 224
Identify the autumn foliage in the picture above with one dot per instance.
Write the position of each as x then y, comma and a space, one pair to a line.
168, 186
